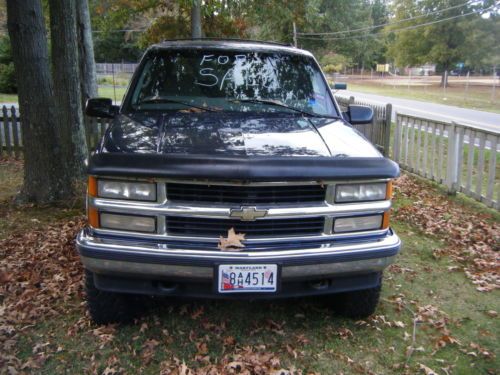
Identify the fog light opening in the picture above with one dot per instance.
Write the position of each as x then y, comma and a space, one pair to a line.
357, 223
127, 222
167, 286
320, 284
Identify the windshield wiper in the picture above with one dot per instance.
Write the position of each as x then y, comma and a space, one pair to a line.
162, 99
279, 104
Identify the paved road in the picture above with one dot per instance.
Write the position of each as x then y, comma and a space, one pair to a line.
479, 119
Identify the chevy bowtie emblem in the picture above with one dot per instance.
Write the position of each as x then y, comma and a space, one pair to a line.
248, 213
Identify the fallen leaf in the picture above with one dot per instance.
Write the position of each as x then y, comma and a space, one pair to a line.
472, 244
280, 372
446, 339
149, 349
110, 371
427, 370
229, 341
197, 313
232, 242
202, 348
344, 333
4, 277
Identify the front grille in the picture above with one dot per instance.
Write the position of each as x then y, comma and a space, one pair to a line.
191, 226
244, 195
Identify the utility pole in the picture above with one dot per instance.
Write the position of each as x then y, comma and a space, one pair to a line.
494, 88
466, 91
294, 35
196, 19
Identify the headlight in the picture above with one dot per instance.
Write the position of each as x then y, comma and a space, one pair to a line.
361, 192
127, 222
139, 191
357, 224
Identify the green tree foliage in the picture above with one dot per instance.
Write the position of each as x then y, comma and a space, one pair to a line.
364, 48
8, 83
458, 39
219, 19
354, 29
124, 28
482, 45
116, 47
110, 20
273, 20
255, 19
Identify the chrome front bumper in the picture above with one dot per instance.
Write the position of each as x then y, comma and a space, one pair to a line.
167, 261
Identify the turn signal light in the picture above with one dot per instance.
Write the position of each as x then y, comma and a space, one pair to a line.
385, 220
92, 186
93, 217
388, 194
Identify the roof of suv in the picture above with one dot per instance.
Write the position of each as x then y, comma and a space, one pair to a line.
229, 44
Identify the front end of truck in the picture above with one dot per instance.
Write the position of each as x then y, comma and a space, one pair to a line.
221, 194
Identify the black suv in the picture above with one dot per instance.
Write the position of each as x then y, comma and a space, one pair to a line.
229, 171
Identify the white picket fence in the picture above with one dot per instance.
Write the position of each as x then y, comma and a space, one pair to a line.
461, 157
11, 143
379, 131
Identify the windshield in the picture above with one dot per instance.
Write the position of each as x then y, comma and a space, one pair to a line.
240, 81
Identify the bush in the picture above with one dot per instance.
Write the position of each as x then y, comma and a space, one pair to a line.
330, 68
334, 62
8, 83
5, 50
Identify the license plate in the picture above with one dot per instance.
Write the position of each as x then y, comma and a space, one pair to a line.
256, 278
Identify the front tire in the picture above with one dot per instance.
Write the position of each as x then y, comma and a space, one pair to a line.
108, 307
358, 304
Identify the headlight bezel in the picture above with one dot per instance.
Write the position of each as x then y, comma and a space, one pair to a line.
101, 181
383, 193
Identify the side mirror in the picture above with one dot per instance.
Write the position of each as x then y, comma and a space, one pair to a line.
358, 114
339, 86
100, 107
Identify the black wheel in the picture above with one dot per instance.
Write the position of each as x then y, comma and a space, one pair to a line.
357, 304
108, 307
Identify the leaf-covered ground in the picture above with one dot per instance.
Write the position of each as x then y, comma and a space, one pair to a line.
438, 314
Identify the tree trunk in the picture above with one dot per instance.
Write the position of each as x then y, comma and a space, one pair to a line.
43, 180
88, 74
67, 91
196, 19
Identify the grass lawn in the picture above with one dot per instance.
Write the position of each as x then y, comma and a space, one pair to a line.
8, 98
478, 97
120, 79
109, 92
431, 315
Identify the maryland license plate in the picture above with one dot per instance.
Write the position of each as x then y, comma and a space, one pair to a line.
256, 278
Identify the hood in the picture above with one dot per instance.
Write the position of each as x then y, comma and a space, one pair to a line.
235, 135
